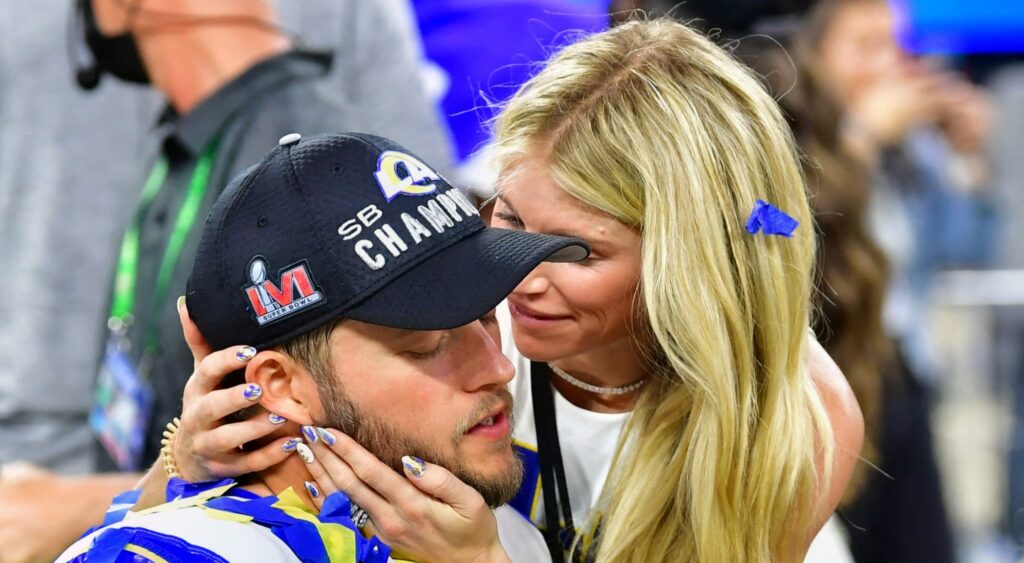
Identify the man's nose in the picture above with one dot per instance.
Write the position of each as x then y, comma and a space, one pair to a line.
487, 365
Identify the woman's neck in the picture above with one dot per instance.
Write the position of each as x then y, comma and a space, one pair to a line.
616, 365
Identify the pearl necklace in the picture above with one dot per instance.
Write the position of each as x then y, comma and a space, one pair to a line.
594, 388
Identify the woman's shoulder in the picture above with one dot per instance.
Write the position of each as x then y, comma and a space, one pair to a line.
836, 394
844, 415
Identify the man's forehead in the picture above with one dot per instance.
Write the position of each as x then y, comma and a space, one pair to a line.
386, 334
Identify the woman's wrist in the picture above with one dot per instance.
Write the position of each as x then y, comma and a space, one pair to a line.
167, 448
495, 554
153, 487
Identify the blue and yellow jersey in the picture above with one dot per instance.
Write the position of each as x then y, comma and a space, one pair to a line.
219, 521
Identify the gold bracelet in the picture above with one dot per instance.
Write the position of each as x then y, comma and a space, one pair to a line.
166, 445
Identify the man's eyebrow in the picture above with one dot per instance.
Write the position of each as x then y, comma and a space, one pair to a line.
402, 333
409, 334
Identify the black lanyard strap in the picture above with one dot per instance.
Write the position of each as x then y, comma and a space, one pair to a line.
559, 530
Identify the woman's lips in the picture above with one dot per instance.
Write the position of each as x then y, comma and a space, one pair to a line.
529, 318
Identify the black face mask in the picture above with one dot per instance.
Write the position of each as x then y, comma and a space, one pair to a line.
117, 55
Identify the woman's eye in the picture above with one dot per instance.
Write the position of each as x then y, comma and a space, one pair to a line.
509, 219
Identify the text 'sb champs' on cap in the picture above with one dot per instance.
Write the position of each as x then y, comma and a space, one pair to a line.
351, 226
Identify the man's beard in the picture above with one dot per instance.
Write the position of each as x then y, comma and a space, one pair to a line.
382, 440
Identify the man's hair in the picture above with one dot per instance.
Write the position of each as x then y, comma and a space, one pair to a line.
313, 351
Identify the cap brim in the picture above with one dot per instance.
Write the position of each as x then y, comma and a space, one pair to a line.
461, 283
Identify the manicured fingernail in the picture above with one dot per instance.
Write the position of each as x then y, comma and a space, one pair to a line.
290, 445
181, 302
415, 465
326, 436
305, 453
312, 490
277, 419
245, 354
310, 433
252, 392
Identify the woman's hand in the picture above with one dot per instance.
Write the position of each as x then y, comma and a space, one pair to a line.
206, 446
427, 515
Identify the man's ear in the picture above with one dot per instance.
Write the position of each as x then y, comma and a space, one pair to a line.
288, 389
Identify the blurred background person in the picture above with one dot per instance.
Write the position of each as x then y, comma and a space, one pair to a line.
944, 217
67, 167
68, 163
924, 130
230, 72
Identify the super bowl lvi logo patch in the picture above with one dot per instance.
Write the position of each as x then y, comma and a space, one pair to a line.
399, 173
271, 301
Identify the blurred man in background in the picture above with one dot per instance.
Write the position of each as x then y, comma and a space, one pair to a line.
235, 83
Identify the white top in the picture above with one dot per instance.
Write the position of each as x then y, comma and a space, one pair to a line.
587, 441
830, 545
522, 542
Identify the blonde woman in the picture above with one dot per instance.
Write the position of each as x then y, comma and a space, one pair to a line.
668, 386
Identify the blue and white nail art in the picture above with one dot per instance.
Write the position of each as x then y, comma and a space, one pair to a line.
312, 489
277, 419
252, 392
291, 444
326, 436
245, 354
414, 464
305, 453
310, 433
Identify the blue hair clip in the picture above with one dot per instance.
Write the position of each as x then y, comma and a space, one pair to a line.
770, 220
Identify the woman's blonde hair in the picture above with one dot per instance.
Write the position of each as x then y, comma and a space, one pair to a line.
655, 125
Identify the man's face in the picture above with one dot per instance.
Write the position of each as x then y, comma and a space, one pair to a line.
438, 395
112, 16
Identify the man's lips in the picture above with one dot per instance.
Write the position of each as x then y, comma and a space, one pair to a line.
495, 426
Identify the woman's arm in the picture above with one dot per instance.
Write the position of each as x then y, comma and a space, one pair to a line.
204, 447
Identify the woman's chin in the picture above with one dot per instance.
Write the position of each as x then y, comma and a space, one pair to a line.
541, 349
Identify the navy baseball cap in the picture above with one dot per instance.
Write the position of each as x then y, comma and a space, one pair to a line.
351, 226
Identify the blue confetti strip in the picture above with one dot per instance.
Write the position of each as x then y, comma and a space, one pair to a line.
770, 220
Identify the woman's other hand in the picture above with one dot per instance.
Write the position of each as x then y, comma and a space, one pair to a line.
207, 443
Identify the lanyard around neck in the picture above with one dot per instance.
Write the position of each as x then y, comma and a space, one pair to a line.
559, 532
122, 308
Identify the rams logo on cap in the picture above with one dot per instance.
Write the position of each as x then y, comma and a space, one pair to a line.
399, 173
